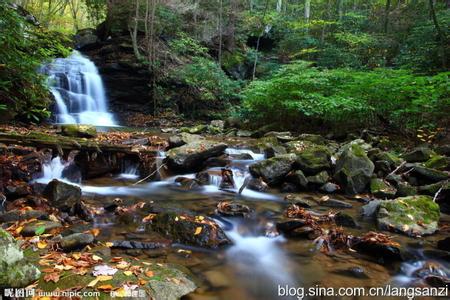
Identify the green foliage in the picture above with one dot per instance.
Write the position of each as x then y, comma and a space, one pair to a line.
185, 45
421, 51
208, 80
300, 94
23, 48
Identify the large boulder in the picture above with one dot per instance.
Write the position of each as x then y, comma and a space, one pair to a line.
414, 215
428, 174
15, 270
62, 195
85, 38
419, 154
274, 169
314, 159
174, 289
191, 156
192, 230
354, 169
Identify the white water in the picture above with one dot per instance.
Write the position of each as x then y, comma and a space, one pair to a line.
52, 170
79, 92
407, 274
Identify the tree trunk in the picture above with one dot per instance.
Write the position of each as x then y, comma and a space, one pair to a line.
134, 32
340, 4
219, 27
259, 40
386, 16
441, 35
307, 10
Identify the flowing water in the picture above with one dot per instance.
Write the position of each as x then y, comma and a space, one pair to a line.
258, 262
78, 91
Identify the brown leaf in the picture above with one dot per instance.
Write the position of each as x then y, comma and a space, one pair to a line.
52, 277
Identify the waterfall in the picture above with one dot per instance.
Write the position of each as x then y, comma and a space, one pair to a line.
78, 90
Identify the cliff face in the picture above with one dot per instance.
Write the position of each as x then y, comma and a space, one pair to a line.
126, 80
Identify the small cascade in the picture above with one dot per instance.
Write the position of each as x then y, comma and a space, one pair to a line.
414, 273
78, 90
235, 152
256, 255
130, 171
52, 170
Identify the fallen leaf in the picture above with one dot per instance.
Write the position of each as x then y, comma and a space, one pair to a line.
18, 230
149, 273
96, 258
105, 287
93, 283
42, 244
104, 278
52, 277
198, 230
104, 270
95, 231
109, 244
116, 259
142, 282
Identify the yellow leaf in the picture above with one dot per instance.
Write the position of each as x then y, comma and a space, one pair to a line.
104, 278
96, 258
198, 230
121, 293
109, 244
128, 273
19, 229
105, 287
76, 256
42, 244
93, 283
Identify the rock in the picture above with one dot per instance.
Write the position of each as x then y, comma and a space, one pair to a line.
343, 219
274, 150
370, 209
257, 184
244, 133
330, 188
419, 154
241, 156
18, 215
217, 279
438, 162
173, 289
444, 244
414, 216
288, 187
357, 142
381, 251
404, 189
355, 272
313, 138
61, 195
443, 150
299, 201
381, 189
318, 179
313, 159
296, 228
75, 130
17, 190
195, 129
218, 124
273, 170
85, 38
188, 138
354, 170
282, 137
297, 178
175, 141
390, 158
76, 241
190, 230
192, 156
202, 178
233, 209
428, 174
139, 245
334, 203
15, 270
188, 184
47, 226
137, 142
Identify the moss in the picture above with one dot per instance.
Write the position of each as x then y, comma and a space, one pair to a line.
358, 150
437, 162
421, 208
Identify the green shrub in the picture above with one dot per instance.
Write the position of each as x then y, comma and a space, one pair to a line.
23, 48
299, 94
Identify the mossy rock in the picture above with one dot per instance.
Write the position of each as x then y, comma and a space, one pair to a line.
314, 159
318, 179
273, 170
404, 189
354, 169
413, 216
76, 130
419, 154
190, 157
429, 174
382, 189
15, 270
438, 162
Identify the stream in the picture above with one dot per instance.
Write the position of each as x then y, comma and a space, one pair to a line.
258, 261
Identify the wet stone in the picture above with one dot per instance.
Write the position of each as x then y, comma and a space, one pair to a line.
334, 203
343, 219
18, 215
233, 209
76, 241
30, 228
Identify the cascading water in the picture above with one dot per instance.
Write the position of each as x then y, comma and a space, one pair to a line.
78, 90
